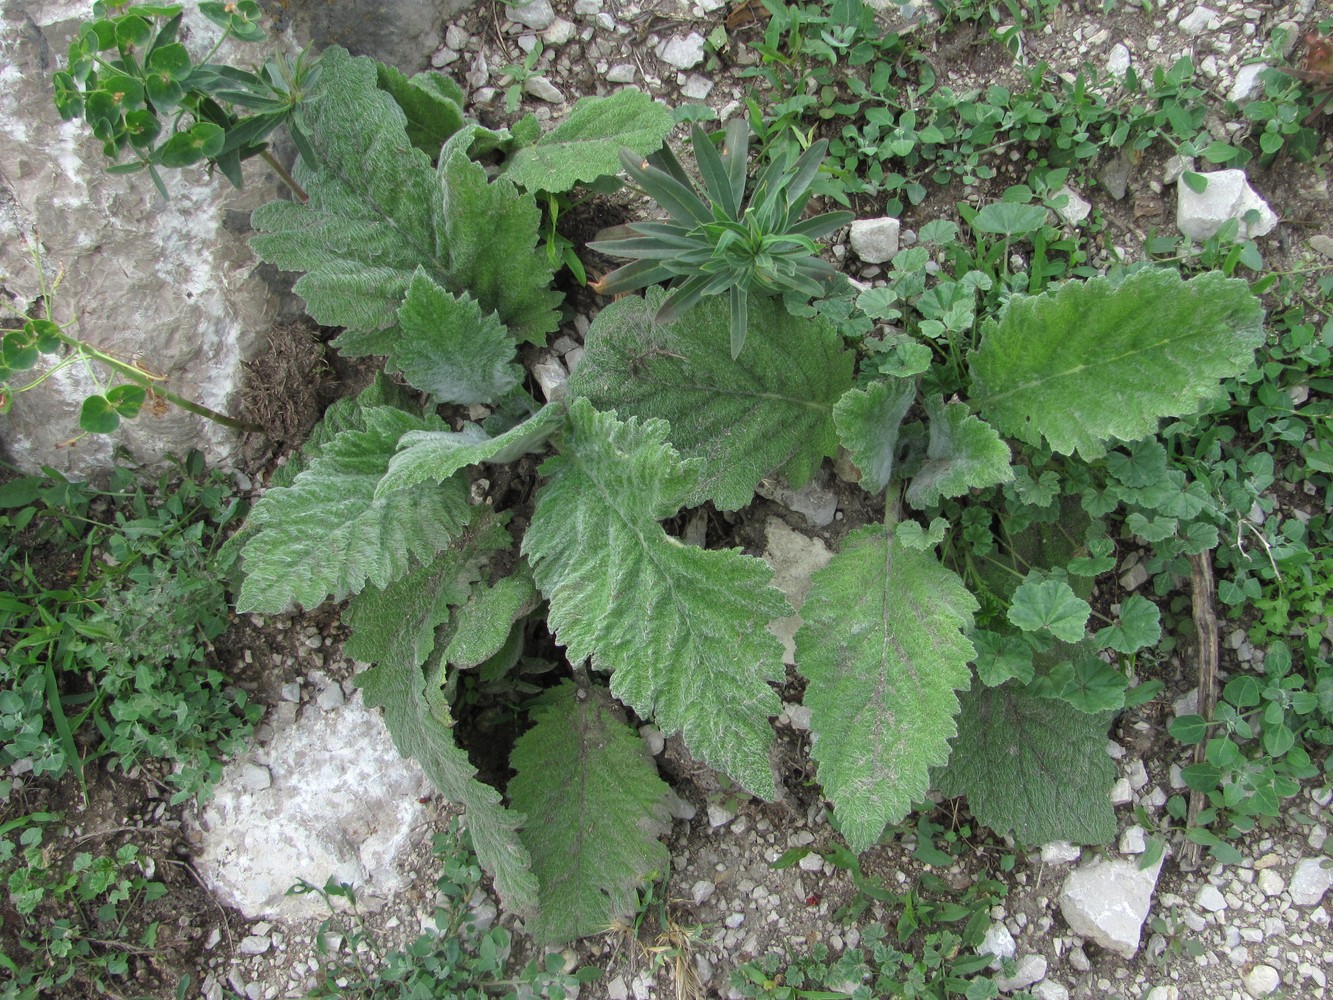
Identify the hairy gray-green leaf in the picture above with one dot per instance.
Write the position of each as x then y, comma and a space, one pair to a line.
449, 348
1100, 359
378, 211
883, 650
1035, 767
684, 630
868, 421
964, 453
587, 144
395, 628
327, 534
434, 456
482, 625
595, 808
432, 104
769, 411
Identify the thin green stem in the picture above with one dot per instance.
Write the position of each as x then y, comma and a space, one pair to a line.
285, 177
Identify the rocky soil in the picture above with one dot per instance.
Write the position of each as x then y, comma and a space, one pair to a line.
323, 792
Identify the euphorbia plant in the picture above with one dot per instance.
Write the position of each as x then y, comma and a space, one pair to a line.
718, 242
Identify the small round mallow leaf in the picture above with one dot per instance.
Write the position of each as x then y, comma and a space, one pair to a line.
98, 416
1005, 218
127, 400
1051, 605
1188, 728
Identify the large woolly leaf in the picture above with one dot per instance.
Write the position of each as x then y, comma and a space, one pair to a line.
395, 628
587, 144
883, 650
1036, 767
595, 808
431, 102
378, 211
482, 626
868, 421
449, 348
684, 630
1100, 359
768, 411
434, 456
964, 453
328, 534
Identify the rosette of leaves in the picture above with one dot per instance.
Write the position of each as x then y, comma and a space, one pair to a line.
716, 242
127, 71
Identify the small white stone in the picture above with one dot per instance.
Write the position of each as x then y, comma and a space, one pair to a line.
1137, 774
1117, 63
682, 53
875, 241
455, 37
1049, 989
1075, 209
543, 89
1261, 980
998, 942
617, 989
1121, 793
697, 87
331, 697
1199, 20
1133, 840
536, 14
1210, 899
719, 815
255, 777
1322, 245
654, 738
799, 716
734, 920
1247, 79
621, 73
1309, 881
1060, 852
1228, 195
812, 862
1027, 970
254, 944
559, 32
1271, 883
702, 891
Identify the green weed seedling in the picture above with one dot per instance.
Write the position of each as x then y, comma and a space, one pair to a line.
68, 915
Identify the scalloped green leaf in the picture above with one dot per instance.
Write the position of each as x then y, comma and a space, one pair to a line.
1140, 625
868, 421
1034, 767
596, 811
587, 144
434, 456
1105, 359
378, 211
396, 630
882, 646
682, 629
964, 453
449, 348
769, 411
1051, 606
328, 535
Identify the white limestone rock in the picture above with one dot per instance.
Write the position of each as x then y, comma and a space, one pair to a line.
794, 558
1075, 209
1310, 880
1200, 214
1108, 902
342, 802
1027, 970
875, 241
682, 53
536, 14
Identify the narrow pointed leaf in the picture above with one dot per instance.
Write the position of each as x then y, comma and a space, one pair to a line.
327, 534
1034, 767
395, 629
587, 144
883, 649
683, 630
434, 456
449, 348
1099, 359
596, 811
770, 411
964, 453
868, 421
